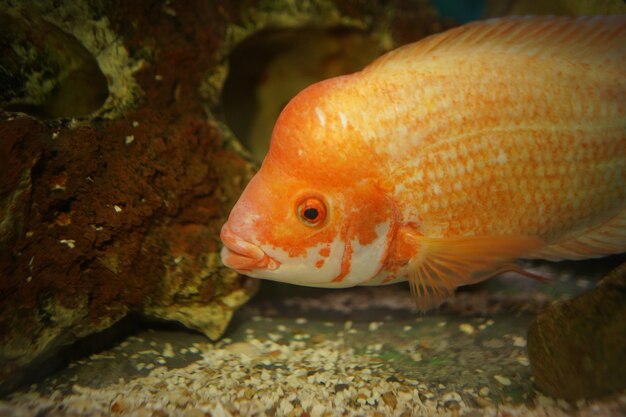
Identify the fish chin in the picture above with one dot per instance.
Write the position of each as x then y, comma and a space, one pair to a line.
298, 275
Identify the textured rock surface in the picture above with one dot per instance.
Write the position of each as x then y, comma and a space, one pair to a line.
115, 209
554, 7
577, 347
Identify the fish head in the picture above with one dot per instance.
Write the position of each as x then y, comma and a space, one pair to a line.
296, 230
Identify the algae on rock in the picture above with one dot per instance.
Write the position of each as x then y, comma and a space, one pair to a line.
115, 206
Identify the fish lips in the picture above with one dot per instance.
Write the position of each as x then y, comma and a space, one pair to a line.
242, 255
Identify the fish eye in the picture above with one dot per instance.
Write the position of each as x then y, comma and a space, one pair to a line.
311, 211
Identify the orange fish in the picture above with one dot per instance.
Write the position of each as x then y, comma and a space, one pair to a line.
445, 160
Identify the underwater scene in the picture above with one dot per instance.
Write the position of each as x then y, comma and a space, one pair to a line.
312, 208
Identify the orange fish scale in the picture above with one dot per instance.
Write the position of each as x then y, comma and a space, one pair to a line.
470, 143
445, 160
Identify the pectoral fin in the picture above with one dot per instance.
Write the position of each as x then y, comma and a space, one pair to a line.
441, 265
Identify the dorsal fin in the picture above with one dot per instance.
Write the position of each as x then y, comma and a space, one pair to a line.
585, 38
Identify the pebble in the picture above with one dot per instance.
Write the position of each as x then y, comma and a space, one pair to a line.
519, 341
390, 399
502, 380
168, 350
494, 343
373, 326
466, 328
244, 348
283, 377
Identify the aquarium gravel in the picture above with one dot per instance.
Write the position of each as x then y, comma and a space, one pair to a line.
266, 378
319, 355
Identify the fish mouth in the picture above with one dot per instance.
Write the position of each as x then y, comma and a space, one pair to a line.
243, 256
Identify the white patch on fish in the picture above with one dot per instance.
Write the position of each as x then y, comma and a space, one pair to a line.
303, 270
321, 116
344, 121
367, 260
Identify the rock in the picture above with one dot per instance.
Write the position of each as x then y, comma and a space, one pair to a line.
577, 347
117, 166
554, 7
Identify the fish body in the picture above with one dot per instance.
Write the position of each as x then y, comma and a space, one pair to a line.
445, 160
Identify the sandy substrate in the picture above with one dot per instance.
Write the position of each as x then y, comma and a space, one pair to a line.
358, 352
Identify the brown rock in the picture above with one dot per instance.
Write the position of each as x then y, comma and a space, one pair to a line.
577, 347
111, 199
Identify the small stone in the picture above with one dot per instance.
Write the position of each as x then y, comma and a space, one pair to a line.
168, 351
481, 402
117, 407
244, 348
341, 387
390, 399
502, 380
194, 412
452, 405
373, 326
71, 243
117, 208
494, 343
466, 328
519, 341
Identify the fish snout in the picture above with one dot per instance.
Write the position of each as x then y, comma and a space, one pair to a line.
242, 255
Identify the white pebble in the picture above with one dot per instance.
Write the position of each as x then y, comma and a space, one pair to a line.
373, 326
168, 352
519, 341
71, 243
466, 328
502, 380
